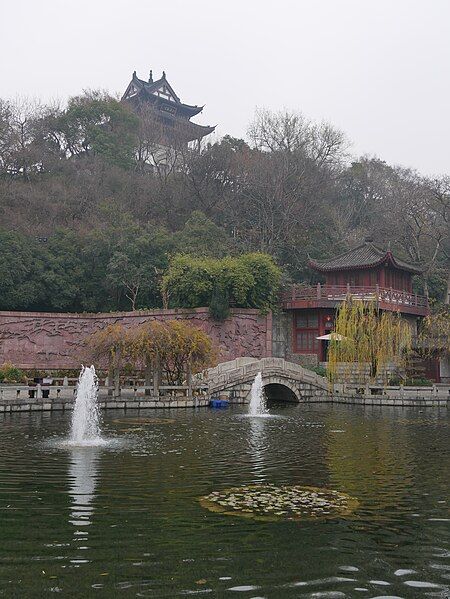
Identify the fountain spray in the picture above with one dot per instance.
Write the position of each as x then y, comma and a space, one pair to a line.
85, 418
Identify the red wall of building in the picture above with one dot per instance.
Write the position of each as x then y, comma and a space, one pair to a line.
307, 326
382, 276
55, 341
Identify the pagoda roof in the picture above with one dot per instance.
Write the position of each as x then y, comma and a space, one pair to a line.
366, 255
187, 129
148, 90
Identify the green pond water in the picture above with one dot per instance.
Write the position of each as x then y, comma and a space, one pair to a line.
125, 520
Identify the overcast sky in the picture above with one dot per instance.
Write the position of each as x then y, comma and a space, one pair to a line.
377, 69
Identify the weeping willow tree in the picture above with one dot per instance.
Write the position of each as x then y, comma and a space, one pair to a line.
111, 346
365, 336
434, 337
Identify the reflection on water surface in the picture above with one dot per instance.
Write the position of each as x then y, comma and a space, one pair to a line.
125, 520
83, 469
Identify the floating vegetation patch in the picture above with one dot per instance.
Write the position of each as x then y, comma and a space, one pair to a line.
144, 421
270, 502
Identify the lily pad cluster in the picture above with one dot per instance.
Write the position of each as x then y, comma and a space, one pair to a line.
271, 502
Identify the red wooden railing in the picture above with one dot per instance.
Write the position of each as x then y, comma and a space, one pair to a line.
383, 295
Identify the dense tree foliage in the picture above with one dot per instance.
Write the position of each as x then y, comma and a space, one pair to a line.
88, 224
245, 281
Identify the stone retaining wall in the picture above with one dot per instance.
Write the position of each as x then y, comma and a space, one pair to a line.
42, 405
52, 341
382, 400
39, 405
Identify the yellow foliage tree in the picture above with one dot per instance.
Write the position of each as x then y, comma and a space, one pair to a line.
434, 338
175, 347
110, 345
363, 335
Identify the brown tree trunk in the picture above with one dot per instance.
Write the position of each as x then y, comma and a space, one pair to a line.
117, 375
189, 378
447, 299
148, 378
156, 376
425, 287
165, 299
110, 377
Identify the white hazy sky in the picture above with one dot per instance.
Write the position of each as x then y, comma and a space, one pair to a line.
378, 69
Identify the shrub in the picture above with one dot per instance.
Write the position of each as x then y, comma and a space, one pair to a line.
219, 307
248, 281
263, 292
419, 382
11, 374
320, 370
189, 281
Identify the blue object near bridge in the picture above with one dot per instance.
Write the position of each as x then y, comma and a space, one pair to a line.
219, 403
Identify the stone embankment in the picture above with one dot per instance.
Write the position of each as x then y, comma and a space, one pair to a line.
282, 380
64, 404
11, 401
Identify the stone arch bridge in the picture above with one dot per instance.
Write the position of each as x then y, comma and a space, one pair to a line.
281, 380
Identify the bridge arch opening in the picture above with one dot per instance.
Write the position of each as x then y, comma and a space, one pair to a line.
277, 392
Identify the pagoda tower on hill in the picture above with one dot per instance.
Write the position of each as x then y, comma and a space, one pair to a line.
168, 120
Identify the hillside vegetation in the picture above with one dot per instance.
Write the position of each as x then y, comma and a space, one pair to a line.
88, 225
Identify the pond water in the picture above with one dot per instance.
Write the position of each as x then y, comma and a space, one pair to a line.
125, 520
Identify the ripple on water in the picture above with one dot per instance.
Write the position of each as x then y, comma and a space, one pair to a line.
404, 572
100, 442
323, 581
328, 595
419, 584
349, 568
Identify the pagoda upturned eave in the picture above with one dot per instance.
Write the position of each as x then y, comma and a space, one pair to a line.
192, 131
364, 256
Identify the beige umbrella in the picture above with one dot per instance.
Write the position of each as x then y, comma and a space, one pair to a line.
331, 337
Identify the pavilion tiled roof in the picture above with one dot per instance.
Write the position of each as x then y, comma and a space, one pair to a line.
366, 255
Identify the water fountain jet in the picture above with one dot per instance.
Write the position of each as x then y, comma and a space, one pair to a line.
85, 428
257, 405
